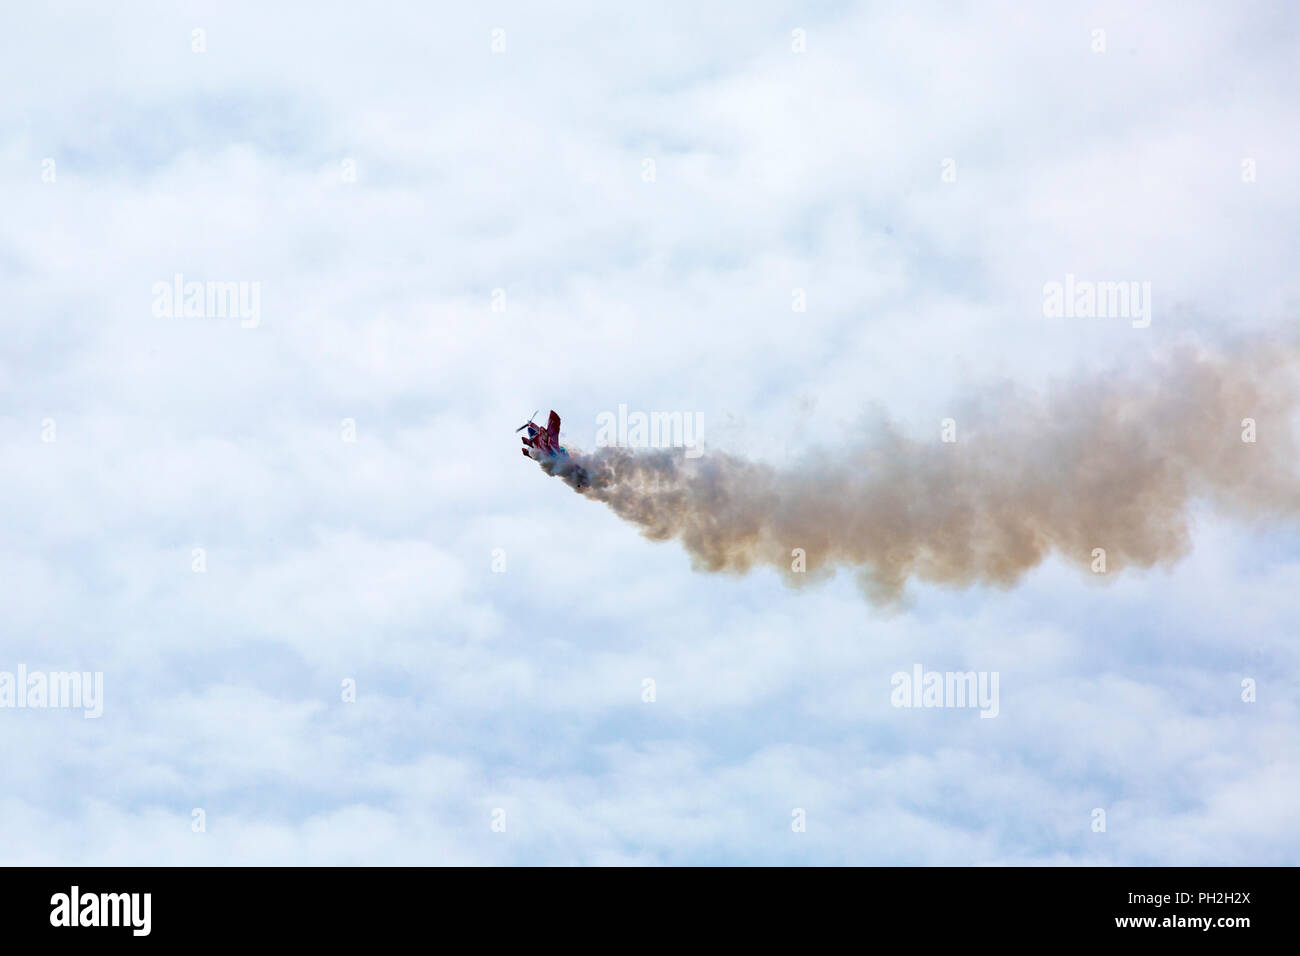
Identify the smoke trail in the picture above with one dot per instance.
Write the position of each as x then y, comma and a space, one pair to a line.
1111, 463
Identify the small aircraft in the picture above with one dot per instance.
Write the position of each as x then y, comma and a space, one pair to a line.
542, 444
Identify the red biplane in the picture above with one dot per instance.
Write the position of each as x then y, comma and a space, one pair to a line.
542, 443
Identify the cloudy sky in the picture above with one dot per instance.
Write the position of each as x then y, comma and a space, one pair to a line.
454, 214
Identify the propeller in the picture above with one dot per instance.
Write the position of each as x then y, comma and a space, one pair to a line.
529, 422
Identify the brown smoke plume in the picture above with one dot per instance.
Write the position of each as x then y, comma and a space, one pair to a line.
1110, 463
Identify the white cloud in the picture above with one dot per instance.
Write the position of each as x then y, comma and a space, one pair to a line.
371, 560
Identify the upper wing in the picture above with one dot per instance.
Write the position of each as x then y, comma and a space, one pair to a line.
553, 429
